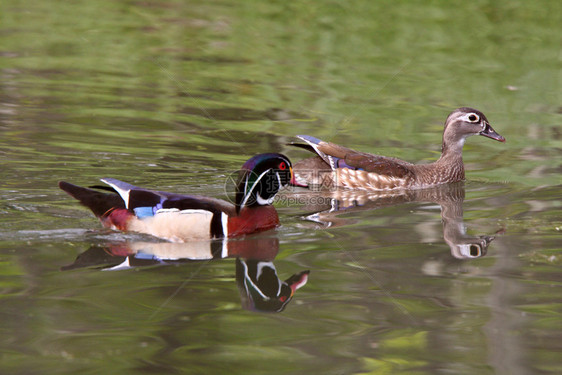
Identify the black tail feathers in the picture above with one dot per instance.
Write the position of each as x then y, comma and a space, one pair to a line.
99, 203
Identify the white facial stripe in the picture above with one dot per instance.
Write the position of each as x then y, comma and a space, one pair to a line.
248, 193
279, 180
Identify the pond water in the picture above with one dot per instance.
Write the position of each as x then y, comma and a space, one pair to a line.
176, 95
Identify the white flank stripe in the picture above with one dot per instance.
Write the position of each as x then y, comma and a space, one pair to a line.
224, 222
224, 253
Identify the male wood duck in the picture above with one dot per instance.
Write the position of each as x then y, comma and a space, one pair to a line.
182, 218
340, 166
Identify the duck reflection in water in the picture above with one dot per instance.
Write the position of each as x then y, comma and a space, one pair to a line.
260, 287
450, 198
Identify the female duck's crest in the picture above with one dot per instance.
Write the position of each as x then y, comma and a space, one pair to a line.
261, 178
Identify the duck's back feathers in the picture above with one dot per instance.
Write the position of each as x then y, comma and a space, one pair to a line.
337, 156
379, 164
353, 169
136, 198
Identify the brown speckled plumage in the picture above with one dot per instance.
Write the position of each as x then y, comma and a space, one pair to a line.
338, 166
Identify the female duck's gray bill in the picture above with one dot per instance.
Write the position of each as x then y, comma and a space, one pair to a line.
491, 133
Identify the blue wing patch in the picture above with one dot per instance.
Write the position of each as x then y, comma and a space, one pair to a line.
142, 212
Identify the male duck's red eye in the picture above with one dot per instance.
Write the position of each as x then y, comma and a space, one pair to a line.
282, 166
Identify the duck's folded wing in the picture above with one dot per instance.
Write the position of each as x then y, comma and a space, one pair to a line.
133, 196
378, 164
146, 202
337, 156
196, 202
368, 162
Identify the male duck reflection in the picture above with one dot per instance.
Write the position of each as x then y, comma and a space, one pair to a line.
449, 197
340, 166
260, 287
180, 218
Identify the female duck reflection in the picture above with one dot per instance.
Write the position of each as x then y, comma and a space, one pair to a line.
450, 197
260, 287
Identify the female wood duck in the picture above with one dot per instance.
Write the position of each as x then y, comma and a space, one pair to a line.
340, 166
181, 218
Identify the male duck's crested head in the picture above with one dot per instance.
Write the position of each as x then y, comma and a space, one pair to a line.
464, 122
261, 178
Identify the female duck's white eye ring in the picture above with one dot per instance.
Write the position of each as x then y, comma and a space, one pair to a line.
473, 117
